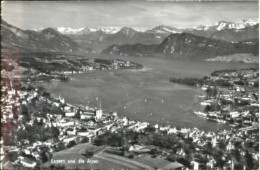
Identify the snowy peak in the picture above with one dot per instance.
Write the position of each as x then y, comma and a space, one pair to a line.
113, 30
162, 29
235, 25
222, 25
68, 30
109, 30
86, 30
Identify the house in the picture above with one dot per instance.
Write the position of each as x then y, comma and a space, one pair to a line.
37, 143
56, 104
163, 128
64, 123
205, 103
180, 152
83, 133
27, 162
68, 139
36, 155
211, 164
114, 128
71, 131
138, 126
94, 130
48, 142
139, 149
172, 130
114, 114
67, 108
196, 165
142, 126
87, 115
125, 121
27, 151
91, 123
234, 114
70, 114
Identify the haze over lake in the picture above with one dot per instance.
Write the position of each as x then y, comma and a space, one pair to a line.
146, 94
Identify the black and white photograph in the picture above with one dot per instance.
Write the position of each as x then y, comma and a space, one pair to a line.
122, 85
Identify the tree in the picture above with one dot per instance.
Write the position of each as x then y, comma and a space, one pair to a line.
171, 157
55, 131
207, 108
77, 115
44, 157
85, 140
13, 156
71, 143
236, 154
88, 154
57, 167
249, 160
150, 129
60, 146
185, 162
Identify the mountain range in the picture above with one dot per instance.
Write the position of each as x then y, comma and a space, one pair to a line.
221, 25
201, 42
100, 38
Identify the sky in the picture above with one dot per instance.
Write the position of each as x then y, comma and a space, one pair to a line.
32, 15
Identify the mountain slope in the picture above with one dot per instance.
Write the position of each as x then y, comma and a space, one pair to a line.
186, 45
228, 31
46, 40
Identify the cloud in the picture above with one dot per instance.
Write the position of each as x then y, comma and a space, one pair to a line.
29, 15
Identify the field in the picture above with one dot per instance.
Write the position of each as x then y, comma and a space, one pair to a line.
146, 94
100, 160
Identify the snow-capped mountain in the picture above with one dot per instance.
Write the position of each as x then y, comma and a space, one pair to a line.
221, 25
86, 30
235, 25
68, 30
228, 31
109, 30
162, 29
100, 37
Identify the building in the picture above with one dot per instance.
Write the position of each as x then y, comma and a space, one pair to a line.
99, 114
27, 162
70, 114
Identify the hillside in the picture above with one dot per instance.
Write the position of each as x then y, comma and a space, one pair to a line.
47, 40
186, 45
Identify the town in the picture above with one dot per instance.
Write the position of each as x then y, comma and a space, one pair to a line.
36, 125
231, 97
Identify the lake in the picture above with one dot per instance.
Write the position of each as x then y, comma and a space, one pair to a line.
146, 94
